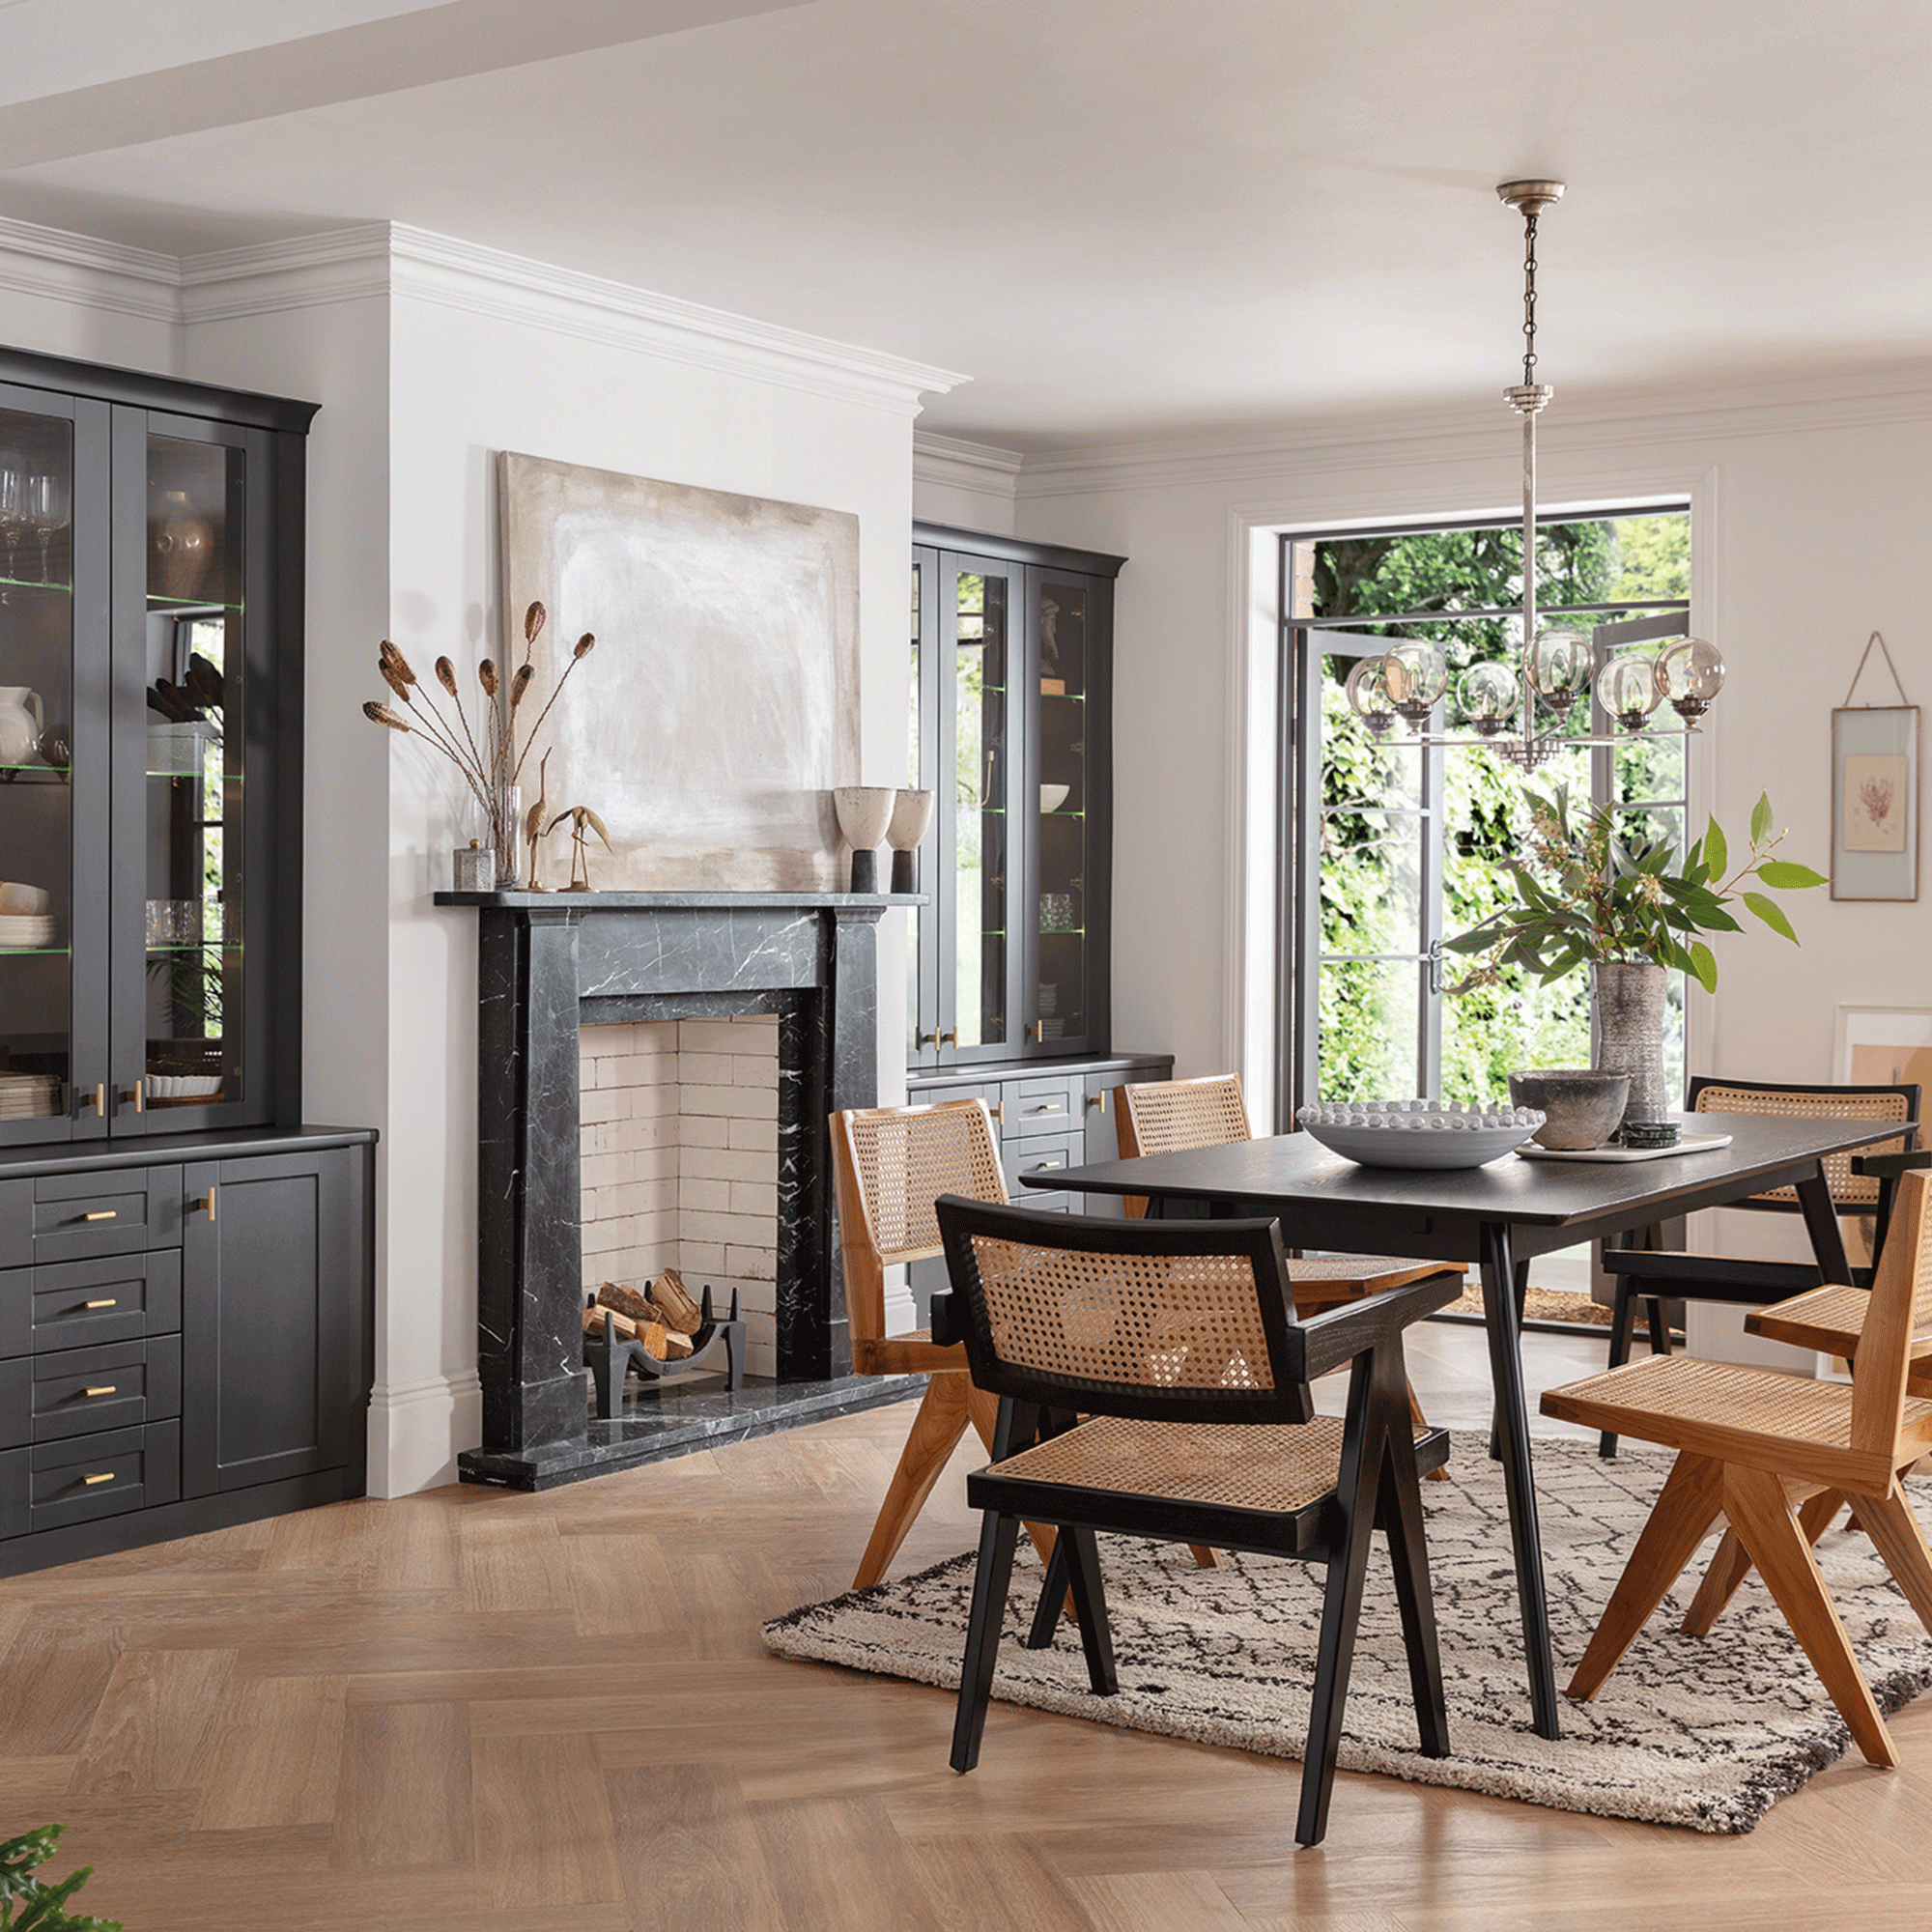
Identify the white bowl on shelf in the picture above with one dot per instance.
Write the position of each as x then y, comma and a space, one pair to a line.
183, 1086
1053, 796
1418, 1133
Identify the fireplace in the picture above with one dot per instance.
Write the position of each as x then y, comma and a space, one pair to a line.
547, 967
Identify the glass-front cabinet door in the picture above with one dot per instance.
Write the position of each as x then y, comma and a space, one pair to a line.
53, 765
187, 1038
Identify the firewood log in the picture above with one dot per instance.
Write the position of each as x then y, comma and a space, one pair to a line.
626, 1301
653, 1335
621, 1326
680, 1312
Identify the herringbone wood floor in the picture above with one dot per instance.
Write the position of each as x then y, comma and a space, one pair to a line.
468, 1711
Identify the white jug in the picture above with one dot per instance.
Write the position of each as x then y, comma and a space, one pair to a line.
19, 731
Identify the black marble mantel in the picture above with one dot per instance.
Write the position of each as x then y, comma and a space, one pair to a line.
549, 963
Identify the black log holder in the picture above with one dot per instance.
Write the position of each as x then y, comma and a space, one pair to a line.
609, 1356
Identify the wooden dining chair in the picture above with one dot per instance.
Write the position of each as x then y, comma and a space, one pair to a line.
1760, 1448
1171, 1116
1178, 1343
1656, 1277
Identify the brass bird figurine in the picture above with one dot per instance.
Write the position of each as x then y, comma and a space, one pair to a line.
534, 823
583, 822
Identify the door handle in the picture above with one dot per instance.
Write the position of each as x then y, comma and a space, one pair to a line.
1038, 1031
1099, 1099
97, 1100
133, 1093
206, 1205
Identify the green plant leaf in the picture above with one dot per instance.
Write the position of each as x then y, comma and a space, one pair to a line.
1771, 912
1717, 853
1761, 819
1704, 963
1785, 875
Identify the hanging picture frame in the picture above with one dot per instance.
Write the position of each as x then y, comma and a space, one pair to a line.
1875, 793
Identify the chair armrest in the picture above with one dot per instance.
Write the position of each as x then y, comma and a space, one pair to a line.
1340, 1334
1890, 1166
1680, 1274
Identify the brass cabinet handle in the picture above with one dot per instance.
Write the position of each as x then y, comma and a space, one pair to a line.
133, 1093
1099, 1099
109, 1302
106, 1389
999, 1113
205, 1204
103, 1214
1049, 1107
98, 1099
1041, 1166
90, 1481
948, 1038
1038, 1030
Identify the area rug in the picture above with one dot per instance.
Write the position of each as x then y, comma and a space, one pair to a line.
1703, 1732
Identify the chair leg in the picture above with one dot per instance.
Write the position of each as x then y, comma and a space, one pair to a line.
1657, 1326
1689, 1504
984, 1409
936, 1428
1760, 1511
1399, 1513
998, 1537
1055, 1599
1089, 1598
1732, 1563
1893, 1526
1421, 1421
1623, 1313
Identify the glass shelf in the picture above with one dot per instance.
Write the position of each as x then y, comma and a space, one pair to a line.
34, 773
182, 604
36, 952
198, 946
227, 777
35, 584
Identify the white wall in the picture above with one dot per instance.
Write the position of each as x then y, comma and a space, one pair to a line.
1808, 514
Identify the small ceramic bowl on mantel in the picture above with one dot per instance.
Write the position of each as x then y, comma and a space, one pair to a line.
1582, 1105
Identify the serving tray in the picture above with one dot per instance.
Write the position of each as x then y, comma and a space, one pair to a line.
1690, 1144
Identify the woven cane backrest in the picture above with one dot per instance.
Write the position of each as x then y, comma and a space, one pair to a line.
1848, 1189
904, 1159
1901, 1305
1171, 1116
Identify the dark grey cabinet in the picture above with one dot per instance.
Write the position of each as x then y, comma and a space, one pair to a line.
1012, 676
213, 1367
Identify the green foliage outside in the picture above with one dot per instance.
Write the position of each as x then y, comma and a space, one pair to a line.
26, 1905
1370, 890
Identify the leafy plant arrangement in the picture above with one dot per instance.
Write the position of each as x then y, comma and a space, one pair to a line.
1603, 898
43, 1907
489, 756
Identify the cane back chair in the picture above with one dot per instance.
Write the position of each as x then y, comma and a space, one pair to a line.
1179, 1342
1761, 1448
1657, 1277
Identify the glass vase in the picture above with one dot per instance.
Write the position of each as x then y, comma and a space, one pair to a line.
506, 835
1627, 998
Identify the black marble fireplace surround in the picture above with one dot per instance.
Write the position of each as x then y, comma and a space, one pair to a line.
550, 963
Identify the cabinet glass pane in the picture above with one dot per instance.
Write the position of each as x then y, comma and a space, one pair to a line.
36, 796
194, 785
1064, 620
914, 782
978, 968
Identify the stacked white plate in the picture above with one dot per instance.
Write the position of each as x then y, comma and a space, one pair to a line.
25, 932
28, 1097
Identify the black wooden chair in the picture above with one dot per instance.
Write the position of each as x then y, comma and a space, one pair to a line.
1656, 1277
1179, 1344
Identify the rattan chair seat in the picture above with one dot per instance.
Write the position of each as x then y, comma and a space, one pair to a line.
1371, 1273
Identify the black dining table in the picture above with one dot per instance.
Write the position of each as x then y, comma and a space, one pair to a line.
1501, 1217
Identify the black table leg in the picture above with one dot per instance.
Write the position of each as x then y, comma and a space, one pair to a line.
1821, 1223
1499, 1319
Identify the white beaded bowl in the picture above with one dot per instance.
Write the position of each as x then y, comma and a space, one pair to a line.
1417, 1133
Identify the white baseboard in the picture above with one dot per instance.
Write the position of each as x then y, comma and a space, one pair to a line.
418, 1429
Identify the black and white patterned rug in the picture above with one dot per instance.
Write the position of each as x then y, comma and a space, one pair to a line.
1704, 1732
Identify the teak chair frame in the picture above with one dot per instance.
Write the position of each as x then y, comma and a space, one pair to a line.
1774, 1455
1013, 1280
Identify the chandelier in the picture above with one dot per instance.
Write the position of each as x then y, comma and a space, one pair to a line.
1523, 713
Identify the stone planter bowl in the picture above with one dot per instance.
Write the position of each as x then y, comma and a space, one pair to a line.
1585, 1104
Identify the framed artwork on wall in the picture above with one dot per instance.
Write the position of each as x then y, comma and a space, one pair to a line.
1875, 795
1884, 1046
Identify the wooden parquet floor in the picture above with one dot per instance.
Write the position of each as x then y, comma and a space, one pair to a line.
468, 1710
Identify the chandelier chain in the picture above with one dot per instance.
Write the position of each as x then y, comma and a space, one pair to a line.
1529, 299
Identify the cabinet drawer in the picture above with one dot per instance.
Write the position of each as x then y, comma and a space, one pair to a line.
1034, 1154
76, 1305
117, 1212
103, 1475
118, 1385
1036, 1107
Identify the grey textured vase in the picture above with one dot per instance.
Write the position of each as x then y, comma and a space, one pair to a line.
1628, 996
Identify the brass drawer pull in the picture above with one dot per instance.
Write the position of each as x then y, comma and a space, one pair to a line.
90, 1481
205, 1204
106, 1389
1043, 1166
1049, 1107
103, 1214
109, 1302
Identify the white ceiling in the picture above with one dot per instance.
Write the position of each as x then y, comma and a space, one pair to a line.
1122, 217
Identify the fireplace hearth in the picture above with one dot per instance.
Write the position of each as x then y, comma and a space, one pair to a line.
549, 965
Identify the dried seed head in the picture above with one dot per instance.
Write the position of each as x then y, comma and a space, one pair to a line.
520, 683
533, 622
380, 714
583, 644
394, 679
397, 662
445, 675
486, 676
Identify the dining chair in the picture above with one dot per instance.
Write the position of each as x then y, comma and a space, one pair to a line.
1655, 1277
1179, 1344
1760, 1447
1171, 1116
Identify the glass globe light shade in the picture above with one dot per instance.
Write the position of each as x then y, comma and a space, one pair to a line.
1559, 668
1626, 689
1368, 695
1488, 694
1691, 674
1416, 674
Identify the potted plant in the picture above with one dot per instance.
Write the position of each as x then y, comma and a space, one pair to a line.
1629, 909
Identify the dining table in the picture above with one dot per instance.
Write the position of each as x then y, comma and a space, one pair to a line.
1500, 1216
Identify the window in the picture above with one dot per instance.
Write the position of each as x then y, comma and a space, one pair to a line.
1389, 850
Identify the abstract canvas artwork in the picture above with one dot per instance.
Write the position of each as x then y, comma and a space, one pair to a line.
1884, 1046
723, 702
